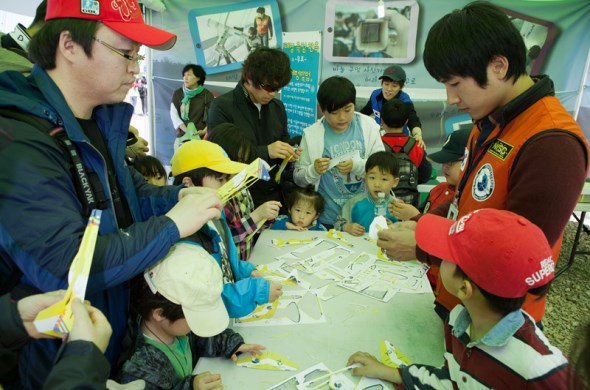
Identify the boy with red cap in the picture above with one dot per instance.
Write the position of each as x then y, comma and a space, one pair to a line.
86, 58
491, 260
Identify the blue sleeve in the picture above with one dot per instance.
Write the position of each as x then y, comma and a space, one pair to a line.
242, 297
41, 222
154, 200
243, 269
280, 223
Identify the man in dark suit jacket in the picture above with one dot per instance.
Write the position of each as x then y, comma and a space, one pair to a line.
253, 108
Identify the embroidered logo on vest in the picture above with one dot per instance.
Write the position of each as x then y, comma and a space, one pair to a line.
500, 149
483, 184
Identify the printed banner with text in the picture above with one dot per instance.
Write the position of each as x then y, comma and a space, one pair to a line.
299, 96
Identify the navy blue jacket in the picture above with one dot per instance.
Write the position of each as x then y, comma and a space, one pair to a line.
41, 219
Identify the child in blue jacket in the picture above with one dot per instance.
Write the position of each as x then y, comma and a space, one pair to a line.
203, 163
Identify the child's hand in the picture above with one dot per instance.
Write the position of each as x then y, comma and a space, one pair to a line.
321, 165
255, 274
297, 154
373, 368
354, 228
291, 226
207, 381
254, 349
280, 149
275, 290
90, 324
267, 210
401, 210
344, 167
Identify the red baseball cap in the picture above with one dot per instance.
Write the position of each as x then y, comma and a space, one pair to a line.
502, 252
122, 16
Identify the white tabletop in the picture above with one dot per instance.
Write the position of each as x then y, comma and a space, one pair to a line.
354, 322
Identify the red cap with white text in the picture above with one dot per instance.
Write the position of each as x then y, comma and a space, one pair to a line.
122, 16
503, 253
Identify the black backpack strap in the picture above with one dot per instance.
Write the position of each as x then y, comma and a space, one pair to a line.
88, 188
87, 185
407, 148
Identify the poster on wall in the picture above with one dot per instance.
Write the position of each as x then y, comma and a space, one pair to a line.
538, 36
299, 96
354, 32
224, 35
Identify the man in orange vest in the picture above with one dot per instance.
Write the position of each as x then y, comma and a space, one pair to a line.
525, 154
263, 25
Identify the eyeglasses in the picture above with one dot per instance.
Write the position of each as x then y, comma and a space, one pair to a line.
269, 88
136, 59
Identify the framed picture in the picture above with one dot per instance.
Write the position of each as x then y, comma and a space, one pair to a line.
353, 32
538, 38
224, 35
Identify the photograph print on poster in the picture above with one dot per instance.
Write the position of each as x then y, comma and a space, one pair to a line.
223, 36
354, 32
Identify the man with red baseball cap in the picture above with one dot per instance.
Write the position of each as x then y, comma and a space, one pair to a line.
86, 57
491, 260
121, 16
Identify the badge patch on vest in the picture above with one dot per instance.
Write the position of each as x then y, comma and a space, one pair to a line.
483, 184
500, 149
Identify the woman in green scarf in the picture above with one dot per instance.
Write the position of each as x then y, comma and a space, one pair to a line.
190, 104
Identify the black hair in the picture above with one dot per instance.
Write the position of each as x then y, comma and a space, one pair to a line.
336, 92
306, 195
149, 166
385, 161
234, 142
464, 42
143, 302
267, 66
398, 82
40, 14
43, 45
534, 52
395, 113
260, 10
197, 176
504, 305
198, 71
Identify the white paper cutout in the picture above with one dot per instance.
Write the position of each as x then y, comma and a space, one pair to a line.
308, 376
379, 223
268, 361
290, 309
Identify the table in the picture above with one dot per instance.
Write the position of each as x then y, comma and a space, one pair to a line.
354, 322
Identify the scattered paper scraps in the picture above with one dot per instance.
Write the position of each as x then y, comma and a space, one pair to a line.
316, 256
367, 383
330, 291
291, 281
268, 361
338, 236
391, 356
381, 281
318, 377
290, 309
278, 242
